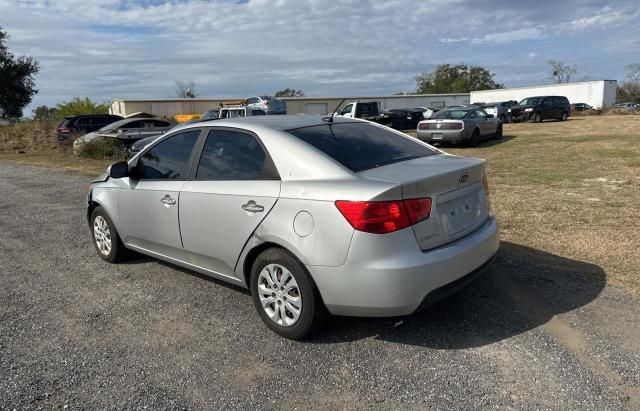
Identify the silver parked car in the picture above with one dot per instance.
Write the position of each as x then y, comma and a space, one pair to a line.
266, 104
313, 215
460, 125
127, 131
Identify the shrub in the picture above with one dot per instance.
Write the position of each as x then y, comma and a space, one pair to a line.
28, 136
103, 149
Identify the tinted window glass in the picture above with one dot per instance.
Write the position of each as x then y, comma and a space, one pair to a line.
158, 123
169, 159
451, 114
231, 155
360, 146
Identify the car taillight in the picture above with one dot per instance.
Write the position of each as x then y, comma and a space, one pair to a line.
65, 130
485, 184
422, 126
382, 217
418, 209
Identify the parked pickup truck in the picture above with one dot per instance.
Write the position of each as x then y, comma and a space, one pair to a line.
364, 110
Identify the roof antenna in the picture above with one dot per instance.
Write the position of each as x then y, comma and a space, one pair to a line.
330, 118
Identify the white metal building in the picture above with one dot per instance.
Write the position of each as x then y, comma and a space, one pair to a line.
598, 94
295, 105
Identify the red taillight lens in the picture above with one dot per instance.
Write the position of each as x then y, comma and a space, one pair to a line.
418, 209
65, 130
381, 217
485, 184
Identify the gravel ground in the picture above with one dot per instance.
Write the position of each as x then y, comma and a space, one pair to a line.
540, 331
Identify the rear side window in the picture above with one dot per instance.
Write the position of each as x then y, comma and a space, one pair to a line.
233, 155
361, 146
169, 159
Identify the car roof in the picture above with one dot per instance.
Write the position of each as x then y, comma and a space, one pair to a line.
92, 115
277, 122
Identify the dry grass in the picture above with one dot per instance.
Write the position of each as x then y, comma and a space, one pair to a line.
569, 188
36, 143
572, 189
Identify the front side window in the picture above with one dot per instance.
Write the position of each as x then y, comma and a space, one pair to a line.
361, 146
233, 155
168, 160
347, 109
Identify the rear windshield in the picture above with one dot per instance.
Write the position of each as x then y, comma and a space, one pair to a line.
66, 122
361, 146
451, 114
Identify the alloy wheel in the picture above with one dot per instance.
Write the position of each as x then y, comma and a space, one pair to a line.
279, 295
102, 235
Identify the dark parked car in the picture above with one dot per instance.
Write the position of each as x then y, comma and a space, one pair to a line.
541, 108
405, 118
581, 107
83, 124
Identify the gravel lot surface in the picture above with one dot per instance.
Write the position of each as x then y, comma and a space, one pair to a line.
540, 331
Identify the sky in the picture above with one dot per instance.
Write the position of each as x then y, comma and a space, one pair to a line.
107, 49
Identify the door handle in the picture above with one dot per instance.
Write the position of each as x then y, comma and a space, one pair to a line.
167, 200
252, 207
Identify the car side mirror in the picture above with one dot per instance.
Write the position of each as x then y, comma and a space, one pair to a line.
119, 170
489, 115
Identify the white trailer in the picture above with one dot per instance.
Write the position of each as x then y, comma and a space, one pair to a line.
598, 94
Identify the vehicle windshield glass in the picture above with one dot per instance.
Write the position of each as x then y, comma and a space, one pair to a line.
265, 97
114, 126
361, 146
451, 114
532, 101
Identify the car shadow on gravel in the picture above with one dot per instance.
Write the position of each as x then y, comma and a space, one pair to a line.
523, 289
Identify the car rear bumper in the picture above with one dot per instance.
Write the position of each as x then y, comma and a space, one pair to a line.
447, 136
389, 275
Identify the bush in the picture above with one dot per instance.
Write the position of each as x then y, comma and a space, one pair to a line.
103, 149
28, 136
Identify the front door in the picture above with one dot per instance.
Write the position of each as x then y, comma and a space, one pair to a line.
234, 188
148, 205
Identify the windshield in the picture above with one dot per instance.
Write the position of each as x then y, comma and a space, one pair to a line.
361, 146
451, 114
113, 126
531, 101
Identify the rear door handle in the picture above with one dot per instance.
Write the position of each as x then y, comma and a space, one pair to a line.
252, 207
167, 200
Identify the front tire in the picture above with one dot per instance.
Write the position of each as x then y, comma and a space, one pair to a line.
284, 295
537, 117
105, 237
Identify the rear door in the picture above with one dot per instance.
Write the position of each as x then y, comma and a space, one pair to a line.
235, 185
148, 205
548, 108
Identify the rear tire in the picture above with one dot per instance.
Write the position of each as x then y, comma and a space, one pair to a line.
498, 135
564, 116
284, 295
105, 237
537, 117
474, 140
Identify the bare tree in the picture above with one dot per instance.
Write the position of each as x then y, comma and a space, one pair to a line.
629, 90
560, 72
186, 89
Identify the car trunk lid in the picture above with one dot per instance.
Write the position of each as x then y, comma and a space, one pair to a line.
454, 184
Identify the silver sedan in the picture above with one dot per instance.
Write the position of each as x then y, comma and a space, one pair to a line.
467, 125
314, 215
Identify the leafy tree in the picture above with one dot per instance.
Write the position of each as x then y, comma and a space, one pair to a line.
289, 92
455, 79
560, 72
186, 89
16, 80
629, 90
45, 113
79, 106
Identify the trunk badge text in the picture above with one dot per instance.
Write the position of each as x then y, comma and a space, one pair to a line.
463, 178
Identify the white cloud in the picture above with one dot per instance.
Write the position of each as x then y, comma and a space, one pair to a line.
124, 48
606, 17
